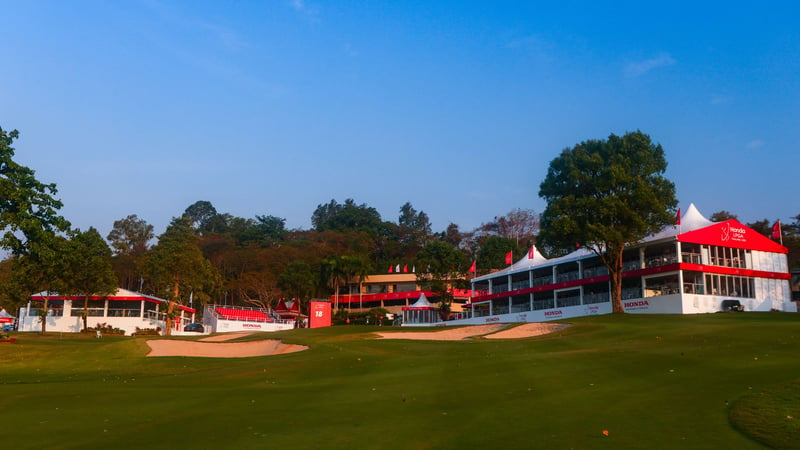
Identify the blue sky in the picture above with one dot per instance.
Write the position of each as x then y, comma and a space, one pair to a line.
144, 107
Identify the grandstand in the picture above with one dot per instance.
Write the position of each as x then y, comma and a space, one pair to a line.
226, 318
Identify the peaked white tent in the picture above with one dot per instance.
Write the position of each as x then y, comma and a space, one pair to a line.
422, 312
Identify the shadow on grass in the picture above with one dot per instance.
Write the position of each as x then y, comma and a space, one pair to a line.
770, 416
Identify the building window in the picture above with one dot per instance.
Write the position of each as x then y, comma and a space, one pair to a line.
661, 285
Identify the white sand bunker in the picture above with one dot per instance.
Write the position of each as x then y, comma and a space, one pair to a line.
528, 330
494, 331
213, 349
451, 334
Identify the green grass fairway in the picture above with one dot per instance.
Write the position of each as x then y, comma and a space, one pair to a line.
650, 381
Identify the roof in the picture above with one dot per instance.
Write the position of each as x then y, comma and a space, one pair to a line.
420, 304
119, 294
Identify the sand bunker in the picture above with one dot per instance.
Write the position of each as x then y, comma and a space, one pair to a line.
528, 330
449, 334
212, 348
494, 331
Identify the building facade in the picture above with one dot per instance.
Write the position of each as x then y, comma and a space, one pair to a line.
696, 267
125, 310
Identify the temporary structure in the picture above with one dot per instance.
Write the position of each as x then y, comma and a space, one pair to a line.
422, 312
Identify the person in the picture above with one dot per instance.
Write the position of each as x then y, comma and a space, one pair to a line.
98, 334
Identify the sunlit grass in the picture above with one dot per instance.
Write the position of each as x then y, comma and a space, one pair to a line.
649, 381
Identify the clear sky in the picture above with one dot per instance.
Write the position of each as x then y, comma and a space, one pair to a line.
273, 107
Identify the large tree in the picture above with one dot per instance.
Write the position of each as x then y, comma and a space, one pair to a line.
414, 228
441, 266
88, 268
177, 268
603, 194
28, 209
201, 213
129, 239
130, 236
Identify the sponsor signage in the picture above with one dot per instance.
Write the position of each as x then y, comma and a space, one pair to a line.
251, 325
732, 233
320, 314
554, 313
636, 305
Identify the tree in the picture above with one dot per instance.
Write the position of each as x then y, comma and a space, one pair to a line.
521, 225
441, 267
201, 213
129, 239
722, 216
763, 226
270, 228
347, 216
41, 269
414, 228
452, 235
88, 268
602, 194
130, 236
298, 281
493, 251
336, 271
176, 266
28, 210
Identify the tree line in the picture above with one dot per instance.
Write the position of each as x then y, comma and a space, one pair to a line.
601, 194
205, 256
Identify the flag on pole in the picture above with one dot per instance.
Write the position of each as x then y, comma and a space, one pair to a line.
678, 217
509, 257
413, 269
405, 268
530, 252
776, 230
390, 269
472, 268
397, 269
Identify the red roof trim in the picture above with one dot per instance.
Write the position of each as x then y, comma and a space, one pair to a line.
638, 273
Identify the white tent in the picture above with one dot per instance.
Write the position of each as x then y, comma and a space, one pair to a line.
422, 312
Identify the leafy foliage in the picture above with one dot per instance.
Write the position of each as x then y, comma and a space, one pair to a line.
28, 210
602, 194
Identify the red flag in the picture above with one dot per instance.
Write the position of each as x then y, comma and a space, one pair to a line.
678, 217
405, 268
390, 269
776, 230
530, 253
509, 257
472, 267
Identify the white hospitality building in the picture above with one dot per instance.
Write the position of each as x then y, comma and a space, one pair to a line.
698, 266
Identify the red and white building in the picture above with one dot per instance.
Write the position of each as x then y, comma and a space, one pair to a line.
223, 319
125, 310
689, 268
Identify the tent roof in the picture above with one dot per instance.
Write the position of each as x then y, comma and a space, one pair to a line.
420, 304
4, 313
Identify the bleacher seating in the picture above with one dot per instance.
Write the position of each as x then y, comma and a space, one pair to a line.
245, 315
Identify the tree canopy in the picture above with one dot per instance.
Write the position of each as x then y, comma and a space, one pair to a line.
28, 210
603, 194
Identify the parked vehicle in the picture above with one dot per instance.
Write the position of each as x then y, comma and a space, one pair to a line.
194, 327
732, 305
